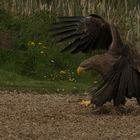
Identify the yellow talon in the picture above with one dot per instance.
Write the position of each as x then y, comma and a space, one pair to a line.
85, 102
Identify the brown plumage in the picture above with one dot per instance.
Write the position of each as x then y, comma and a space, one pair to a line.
119, 65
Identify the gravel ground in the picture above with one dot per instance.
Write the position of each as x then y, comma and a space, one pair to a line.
26, 116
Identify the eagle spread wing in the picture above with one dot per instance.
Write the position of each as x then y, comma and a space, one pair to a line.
83, 33
119, 66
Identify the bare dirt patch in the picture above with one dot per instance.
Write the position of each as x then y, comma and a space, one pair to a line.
25, 116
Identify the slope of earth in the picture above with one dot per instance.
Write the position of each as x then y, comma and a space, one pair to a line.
26, 116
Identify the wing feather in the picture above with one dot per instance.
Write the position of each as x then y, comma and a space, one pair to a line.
124, 77
76, 28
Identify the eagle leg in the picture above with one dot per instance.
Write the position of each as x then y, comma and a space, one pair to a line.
100, 110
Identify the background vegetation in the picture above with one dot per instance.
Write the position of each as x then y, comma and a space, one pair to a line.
36, 60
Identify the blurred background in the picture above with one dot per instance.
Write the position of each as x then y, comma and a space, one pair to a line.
29, 56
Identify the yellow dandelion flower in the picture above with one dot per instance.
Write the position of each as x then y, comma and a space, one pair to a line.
71, 79
52, 61
95, 82
39, 43
33, 43
42, 52
43, 46
63, 89
57, 89
62, 72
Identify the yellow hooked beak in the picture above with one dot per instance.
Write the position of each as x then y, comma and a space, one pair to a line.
80, 70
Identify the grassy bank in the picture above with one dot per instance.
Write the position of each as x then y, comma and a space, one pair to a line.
12, 81
35, 61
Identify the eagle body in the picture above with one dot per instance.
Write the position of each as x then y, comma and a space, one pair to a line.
119, 65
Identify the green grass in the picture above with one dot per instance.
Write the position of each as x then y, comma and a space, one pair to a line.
36, 62
11, 81
38, 67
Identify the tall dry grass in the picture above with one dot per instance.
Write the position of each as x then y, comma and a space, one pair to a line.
126, 14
